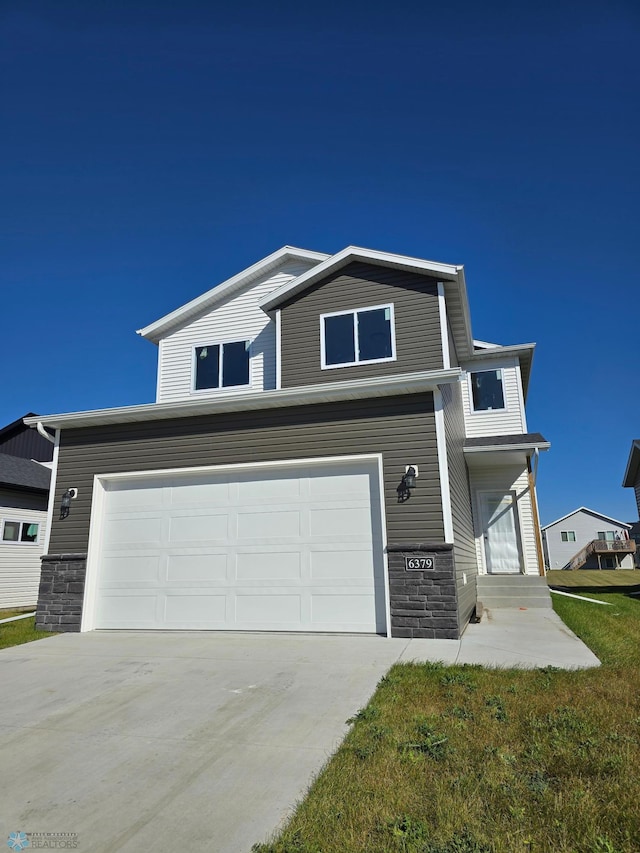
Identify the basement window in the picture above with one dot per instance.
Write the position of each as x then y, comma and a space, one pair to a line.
354, 337
19, 532
568, 535
222, 366
487, 390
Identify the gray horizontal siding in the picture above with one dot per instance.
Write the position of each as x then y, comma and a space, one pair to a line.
401, 428
464, 548
358, 285
23, 499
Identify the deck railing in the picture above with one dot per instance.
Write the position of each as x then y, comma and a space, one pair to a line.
601, 546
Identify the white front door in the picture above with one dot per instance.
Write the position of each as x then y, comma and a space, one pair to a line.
296, 548
500, 533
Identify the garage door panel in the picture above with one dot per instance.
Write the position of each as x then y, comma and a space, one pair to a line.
277, 489
200, 527
344, 521
195, 607
287, 549
139, 532
268, 566
128, 609
279, 607
350, 565
131, 568
196, 567
269, 524
189, 494
342, 607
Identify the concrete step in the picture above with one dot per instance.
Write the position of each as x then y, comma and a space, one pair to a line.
513, 591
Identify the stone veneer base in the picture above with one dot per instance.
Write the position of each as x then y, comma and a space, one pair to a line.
424, 603
61, 592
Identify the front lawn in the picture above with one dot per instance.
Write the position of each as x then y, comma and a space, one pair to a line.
470, 760
20, 631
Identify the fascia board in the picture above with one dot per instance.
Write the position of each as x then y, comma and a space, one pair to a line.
497, 351
356, 253
488, 448
407, 383
633, 464
591, 512
154, 331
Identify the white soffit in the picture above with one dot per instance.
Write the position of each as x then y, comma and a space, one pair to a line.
155, 331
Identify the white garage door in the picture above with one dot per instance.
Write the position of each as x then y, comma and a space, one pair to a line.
287, 549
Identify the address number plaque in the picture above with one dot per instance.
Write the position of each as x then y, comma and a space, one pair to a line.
419, 564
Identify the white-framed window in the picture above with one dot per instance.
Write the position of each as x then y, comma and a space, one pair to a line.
607, 535
487, 390
222, 365
365, 335
16, 532
608, 562
568, 535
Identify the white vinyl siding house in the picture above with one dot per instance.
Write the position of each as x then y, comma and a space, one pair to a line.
20, 561
238, 318
509, 420
586, 525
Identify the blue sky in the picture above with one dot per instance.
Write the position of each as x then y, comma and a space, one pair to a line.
151, 150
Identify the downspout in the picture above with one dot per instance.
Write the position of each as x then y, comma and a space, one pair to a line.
44, 433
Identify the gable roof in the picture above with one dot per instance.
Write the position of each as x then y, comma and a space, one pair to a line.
591, 512
158, 329
23, 473
452, 277
633, 465
16, 426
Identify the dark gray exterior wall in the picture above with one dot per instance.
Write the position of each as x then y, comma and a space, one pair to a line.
464, 549
27, 443
23, 499
401, 428
359, 285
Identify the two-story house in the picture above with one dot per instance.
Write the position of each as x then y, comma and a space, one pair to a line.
329, 450
586, 539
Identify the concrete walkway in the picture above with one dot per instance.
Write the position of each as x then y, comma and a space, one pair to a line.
203, 741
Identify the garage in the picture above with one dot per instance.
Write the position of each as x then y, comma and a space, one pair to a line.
277, 547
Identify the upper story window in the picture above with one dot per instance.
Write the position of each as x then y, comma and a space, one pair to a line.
353, 337
607, 535
221, 366
568, 535
20, 531
487, 390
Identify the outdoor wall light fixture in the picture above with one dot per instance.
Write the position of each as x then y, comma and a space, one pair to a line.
65, 503
407, 483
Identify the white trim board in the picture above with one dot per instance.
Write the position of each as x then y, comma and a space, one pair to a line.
98, 499
591, 512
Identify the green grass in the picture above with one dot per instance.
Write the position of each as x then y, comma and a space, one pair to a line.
21, 631
472, 760
590, 579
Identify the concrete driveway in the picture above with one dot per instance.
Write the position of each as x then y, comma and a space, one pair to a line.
194, 741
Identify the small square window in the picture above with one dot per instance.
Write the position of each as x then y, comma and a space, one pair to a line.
608, 562
20, 531
487, 390
359, 336
568, 535
222, 366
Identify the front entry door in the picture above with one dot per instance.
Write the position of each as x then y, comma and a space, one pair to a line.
500, 536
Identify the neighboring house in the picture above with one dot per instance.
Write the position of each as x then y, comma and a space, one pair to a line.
632, 474
632, 481
585, 539
24, 491
329, 450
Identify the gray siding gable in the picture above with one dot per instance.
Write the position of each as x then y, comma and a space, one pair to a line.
359, 285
